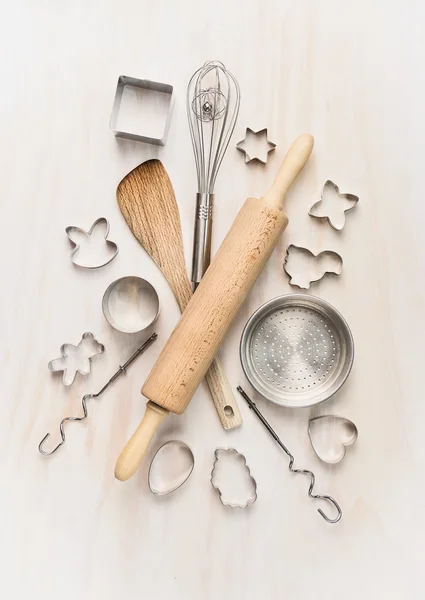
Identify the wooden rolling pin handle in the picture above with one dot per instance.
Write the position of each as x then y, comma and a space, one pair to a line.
135, 449
292, 164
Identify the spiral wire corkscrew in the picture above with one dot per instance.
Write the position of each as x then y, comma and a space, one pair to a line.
122, 369
266, 424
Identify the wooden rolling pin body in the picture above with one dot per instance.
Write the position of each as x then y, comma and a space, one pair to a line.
194, 342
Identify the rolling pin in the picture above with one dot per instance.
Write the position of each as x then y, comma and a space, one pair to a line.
192, 346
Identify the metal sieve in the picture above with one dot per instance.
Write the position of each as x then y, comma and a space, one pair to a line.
296, 350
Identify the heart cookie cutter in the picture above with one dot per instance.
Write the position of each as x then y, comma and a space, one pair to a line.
330, 435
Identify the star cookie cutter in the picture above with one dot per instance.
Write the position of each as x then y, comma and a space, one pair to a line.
249, 154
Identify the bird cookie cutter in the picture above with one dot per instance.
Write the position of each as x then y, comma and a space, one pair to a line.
302, 275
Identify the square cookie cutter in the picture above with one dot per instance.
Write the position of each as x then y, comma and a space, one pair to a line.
142, 110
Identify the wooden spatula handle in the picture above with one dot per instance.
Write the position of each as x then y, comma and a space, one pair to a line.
222, 394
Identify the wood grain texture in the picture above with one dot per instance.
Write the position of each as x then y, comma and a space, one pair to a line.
147, 201
195, 340
351, 73
138, 444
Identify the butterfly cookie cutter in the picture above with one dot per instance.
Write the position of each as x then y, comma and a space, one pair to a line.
82, 240
321, 209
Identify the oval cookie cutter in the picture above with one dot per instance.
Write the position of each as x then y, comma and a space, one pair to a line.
180, 463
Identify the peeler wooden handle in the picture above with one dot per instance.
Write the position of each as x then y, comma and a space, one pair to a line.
194, 342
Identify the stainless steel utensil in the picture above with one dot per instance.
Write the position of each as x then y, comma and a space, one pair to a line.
171, 466
330, 436
130, 304
142, 110
92, 249
122, 369
297, 350
309, 474
213, 99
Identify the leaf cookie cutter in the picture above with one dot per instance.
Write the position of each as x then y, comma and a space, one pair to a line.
338, 222
76, 358
268, 145
325, 262
250, 491
330, 436
75, 233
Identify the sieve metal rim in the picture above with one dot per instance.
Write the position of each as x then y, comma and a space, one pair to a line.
305, 301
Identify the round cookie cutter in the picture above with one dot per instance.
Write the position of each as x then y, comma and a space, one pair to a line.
297, 350
130, 304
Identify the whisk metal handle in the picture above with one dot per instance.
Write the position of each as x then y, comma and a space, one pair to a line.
202, 237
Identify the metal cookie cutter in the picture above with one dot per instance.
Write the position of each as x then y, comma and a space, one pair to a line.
297, 350
114, 377
142, 110
304, 267
330, 435
76, 358
92, 248
259, 137
309, 474
232, 478
333, 205
130, 304
170, 468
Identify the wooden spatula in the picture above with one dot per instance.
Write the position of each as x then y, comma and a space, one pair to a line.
147, 201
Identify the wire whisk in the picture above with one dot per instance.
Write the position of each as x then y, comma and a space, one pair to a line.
310, 474
213, 99
122, 369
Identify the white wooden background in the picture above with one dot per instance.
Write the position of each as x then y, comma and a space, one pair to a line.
351, 73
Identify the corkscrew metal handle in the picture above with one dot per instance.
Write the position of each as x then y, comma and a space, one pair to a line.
202, 236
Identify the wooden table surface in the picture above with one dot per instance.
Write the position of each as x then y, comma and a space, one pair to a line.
351, 73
